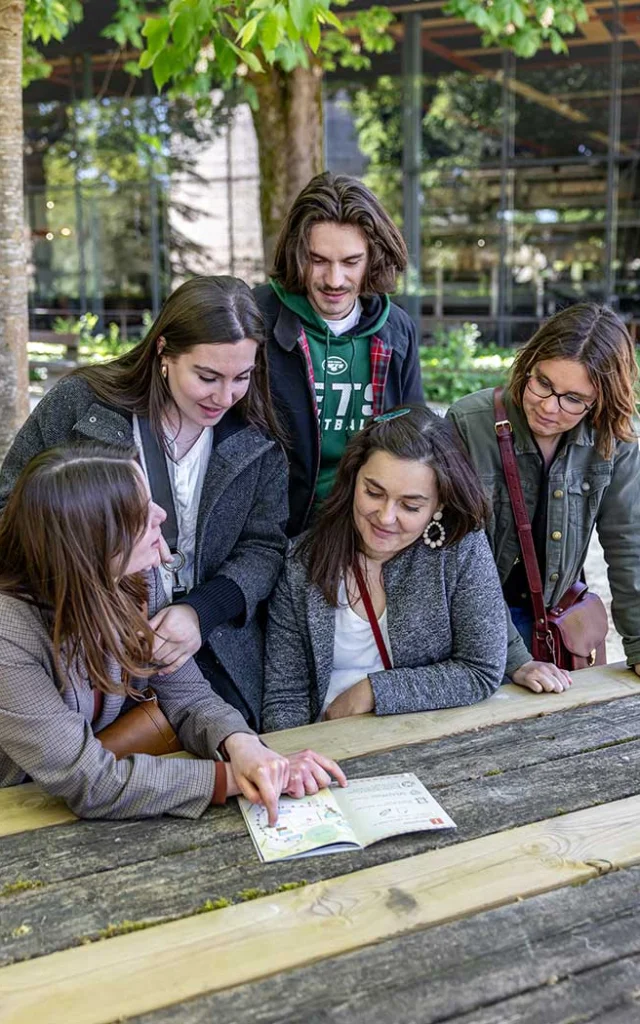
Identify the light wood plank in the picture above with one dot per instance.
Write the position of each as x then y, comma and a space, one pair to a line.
137, 973
24, 808
489, 960
368, 734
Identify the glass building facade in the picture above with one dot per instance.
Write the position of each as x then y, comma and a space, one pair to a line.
516, 182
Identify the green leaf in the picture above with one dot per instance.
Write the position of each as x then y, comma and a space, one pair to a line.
156, 32
251, 96
225, 57
146, 59
558, 44
313, 37
332, 19
272, 28
247, 58
131, 67
299, 11
235, 23
183, 30
164, 66
247, 32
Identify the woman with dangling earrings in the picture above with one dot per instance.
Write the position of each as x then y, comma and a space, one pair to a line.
193, 397
391, 602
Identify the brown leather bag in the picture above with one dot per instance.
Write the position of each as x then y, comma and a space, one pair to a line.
142, 730
572, 633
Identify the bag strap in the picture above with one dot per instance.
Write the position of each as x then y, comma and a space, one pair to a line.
570, 597
371, 615
159, 482
504, 432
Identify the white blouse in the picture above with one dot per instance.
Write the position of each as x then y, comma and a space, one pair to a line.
355, 652
186, 478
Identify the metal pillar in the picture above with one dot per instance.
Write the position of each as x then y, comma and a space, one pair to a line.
506, 198
412, 159
613, 166
77, 191
96, 298
154, 203
155, 243
230, 223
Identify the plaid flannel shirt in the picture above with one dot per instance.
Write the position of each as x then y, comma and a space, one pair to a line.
380, 359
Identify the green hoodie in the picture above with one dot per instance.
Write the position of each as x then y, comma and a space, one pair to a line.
342, 376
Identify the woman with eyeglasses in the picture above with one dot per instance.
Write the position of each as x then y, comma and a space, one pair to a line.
571, 402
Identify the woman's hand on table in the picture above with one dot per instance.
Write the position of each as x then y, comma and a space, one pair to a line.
177, 636
542, 677
357, 700
257, 772
309, 772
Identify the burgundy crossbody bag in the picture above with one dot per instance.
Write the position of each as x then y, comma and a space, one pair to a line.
572, 633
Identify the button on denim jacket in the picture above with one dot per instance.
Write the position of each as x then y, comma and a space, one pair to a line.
585, 490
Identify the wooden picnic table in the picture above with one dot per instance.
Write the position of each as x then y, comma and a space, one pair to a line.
529, 912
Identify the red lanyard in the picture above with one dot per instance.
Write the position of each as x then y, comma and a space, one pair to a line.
371, 615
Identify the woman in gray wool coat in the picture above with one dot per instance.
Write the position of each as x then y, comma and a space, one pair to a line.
391, 602
193, 397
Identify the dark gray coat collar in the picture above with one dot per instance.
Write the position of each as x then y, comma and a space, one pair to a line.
235, 446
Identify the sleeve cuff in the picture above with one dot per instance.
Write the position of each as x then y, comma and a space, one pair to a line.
220, 785
219, 600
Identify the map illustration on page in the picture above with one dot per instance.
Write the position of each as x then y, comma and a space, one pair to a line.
337, 819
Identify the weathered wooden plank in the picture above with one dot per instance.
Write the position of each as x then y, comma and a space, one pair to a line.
608, 995
130, 974
531, 949
23, 810
161, 881
350, 737
60, 853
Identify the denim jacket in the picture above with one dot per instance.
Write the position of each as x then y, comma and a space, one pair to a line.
585, 490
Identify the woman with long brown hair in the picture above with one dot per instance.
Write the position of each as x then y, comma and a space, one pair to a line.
80, 543
570, 401
193, 396
391, 602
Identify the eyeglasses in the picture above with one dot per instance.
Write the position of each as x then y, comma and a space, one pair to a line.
568, 403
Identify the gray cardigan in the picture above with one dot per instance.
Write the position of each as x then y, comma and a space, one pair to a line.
447, 631
46, 732
240, 541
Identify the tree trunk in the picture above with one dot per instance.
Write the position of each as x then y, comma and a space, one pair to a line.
288, 125
14, 394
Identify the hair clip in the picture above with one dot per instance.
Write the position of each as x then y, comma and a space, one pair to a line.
384, 416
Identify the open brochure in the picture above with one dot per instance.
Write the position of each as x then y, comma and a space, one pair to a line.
344, 819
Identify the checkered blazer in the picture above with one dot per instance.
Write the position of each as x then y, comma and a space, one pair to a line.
46, 732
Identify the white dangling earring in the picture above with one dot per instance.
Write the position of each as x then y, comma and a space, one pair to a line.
434, 533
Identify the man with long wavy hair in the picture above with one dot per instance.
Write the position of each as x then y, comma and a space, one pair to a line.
339, 350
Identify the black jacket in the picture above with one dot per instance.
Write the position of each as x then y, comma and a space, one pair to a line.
294, 397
